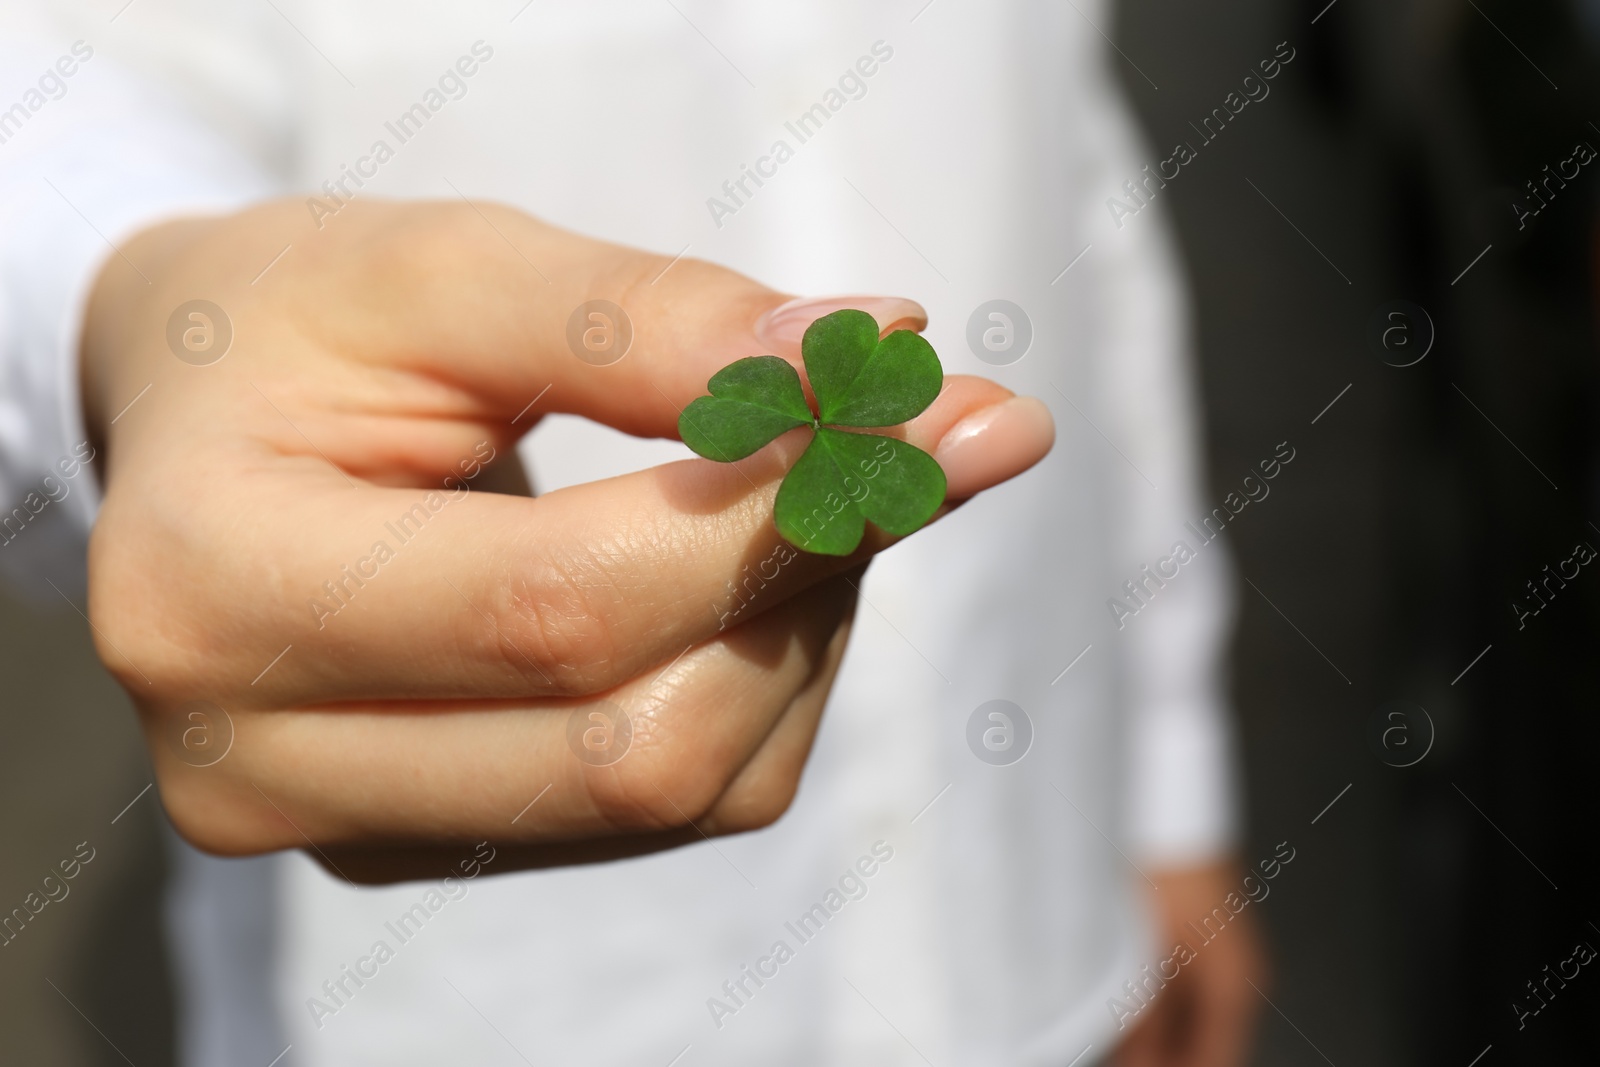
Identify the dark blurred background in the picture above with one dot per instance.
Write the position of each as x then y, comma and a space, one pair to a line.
1386, 159
1427, 902
71, 761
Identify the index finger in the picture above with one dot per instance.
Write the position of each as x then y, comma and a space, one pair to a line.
578, 590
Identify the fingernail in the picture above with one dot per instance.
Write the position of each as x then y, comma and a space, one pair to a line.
785, 325
994, 444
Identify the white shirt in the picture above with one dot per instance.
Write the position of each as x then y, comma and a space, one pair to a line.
1003, 908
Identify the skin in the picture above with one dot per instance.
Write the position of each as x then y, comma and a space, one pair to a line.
365, 369
1206, 1016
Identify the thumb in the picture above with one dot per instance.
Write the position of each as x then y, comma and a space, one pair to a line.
618, 335
684, 332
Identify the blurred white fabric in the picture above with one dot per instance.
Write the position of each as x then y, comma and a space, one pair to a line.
973, 164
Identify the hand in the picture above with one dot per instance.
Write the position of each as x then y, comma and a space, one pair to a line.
373, 372
1205, 1017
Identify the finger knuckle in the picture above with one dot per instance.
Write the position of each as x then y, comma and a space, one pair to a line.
137, 637
423, 238
755, 801
553, 629
662, 784
207, 821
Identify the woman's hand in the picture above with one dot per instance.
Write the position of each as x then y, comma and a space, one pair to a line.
1206, 1015
297, 556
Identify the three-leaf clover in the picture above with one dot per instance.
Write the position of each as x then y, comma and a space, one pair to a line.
843, 479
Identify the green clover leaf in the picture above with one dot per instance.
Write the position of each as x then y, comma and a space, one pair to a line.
843, 480
752, 401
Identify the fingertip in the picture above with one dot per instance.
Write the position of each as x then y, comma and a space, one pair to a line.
993, 444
